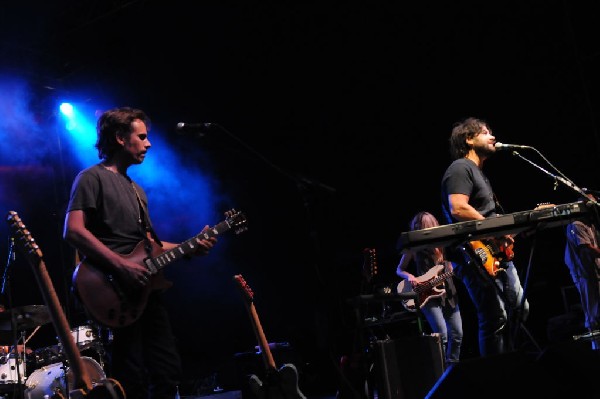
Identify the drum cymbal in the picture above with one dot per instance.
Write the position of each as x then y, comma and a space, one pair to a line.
26, 317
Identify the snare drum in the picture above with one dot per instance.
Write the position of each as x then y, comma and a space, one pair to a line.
50, 380
85, 337
10, 370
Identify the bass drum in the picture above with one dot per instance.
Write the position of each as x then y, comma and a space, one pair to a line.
50, 379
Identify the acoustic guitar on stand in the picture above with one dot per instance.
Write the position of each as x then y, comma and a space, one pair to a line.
114, 305
279, 383
86, 382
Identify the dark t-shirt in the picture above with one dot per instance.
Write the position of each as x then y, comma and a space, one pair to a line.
111, 206
464, 177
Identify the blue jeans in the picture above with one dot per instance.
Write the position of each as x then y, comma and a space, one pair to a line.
586, 280
494, 299
446, 321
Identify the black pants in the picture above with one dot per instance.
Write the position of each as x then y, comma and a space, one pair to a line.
144, 357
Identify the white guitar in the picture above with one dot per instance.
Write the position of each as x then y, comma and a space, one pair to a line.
430, 285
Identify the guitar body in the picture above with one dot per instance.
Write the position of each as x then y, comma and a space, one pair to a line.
105, 299
491, 252
279, 384
114, 305
430, 285
109, 389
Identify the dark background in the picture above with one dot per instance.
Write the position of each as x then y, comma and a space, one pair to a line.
332, 120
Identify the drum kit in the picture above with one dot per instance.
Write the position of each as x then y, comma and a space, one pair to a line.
43, 372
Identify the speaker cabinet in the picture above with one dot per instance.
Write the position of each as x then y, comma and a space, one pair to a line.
407, 368
565, 370
499, 376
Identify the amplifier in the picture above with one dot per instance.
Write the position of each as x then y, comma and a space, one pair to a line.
408, 368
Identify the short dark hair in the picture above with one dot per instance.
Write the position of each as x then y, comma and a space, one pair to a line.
116, 122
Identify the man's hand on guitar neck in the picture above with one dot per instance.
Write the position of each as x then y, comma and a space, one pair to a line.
204, 244
134, 273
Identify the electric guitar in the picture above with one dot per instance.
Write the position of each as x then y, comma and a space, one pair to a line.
83, 384
113, 304
492, 251
279, 383
430, 285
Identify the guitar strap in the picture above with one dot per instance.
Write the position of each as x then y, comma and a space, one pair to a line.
146, 222
499, 208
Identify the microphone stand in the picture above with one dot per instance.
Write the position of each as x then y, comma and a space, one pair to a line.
565, 181
303, 183
591, 203
5, 292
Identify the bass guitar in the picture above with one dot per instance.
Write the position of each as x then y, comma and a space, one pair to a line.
279, 383
112, 304
430, 285
86, 383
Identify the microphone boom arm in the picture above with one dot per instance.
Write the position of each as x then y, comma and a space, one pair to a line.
556, 178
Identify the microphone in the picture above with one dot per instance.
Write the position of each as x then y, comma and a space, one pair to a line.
183, 127
502, 146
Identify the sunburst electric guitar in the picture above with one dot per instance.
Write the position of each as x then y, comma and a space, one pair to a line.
279, 383
87, 383
113, 304
493, 251
430, 285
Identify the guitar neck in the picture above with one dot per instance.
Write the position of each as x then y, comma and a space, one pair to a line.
82, 382
265, 350
440, 278
184, 249
81, 376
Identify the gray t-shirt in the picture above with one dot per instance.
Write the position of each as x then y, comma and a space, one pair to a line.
111, 205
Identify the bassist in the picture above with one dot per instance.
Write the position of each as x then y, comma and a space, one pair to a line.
107, 217
440, 307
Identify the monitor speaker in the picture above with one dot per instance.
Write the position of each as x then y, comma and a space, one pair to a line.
407, 368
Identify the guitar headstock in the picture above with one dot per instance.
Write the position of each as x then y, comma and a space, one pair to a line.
244, 287
236, 220
23, 238
370, 263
